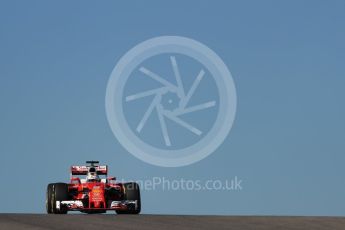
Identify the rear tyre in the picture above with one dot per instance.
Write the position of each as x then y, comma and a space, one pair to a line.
131, 192
49, 207
60, 193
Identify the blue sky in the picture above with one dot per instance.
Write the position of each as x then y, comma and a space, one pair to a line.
287, 60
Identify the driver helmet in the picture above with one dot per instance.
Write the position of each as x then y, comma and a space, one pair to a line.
92, 175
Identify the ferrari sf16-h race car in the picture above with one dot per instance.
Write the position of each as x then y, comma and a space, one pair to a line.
93, 194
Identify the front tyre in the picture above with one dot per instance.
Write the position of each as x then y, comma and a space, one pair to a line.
59, 193
131, 192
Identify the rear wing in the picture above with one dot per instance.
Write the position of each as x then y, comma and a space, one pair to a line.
82, 170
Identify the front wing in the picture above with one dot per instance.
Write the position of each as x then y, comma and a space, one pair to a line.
77, 205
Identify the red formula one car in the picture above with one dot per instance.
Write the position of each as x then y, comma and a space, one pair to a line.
93, 194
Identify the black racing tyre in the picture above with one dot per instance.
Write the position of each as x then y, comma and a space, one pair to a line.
60, 193
49, 207
131, 192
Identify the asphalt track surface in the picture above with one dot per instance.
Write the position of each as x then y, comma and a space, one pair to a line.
43, 222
